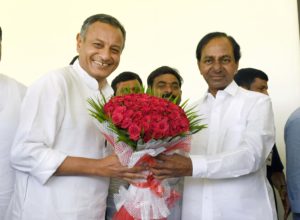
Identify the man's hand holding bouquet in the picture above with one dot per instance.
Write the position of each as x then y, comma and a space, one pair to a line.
140, 127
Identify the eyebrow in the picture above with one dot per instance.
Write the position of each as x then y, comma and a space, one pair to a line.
164, 82
112, 46
226, 56
221, 57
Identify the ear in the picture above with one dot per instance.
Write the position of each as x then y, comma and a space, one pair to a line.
180, 92
198, 63
79, 42
237, 67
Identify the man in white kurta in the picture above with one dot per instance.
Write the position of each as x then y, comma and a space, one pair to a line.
229, 176
226, 169
11, 95
57, 124
58, 153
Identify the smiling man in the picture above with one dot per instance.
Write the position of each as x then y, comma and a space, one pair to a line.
165, 82
58, 153
226, 167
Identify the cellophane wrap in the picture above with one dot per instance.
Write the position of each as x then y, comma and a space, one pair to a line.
146, 199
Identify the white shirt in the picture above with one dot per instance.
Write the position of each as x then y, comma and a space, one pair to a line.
229, 180
11, 95
55, 123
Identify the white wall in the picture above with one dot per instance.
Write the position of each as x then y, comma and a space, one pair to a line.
40, 36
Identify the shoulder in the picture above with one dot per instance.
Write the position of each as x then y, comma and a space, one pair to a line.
8, 80
196, 105
251, 95
295, 114
7, 83
251, 98
294, 118
53, 84
54, 79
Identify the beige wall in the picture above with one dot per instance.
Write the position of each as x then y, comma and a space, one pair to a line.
40, 36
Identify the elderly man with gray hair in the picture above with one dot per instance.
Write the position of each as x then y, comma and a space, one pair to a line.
59, 154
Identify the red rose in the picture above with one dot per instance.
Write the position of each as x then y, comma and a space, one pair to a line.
126, 123
162, 126
144, 116
146, 123
134, 132
117, 118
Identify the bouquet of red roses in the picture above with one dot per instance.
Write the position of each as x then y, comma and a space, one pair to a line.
139, 127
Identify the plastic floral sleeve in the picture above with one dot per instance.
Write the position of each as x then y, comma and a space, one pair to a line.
146, 199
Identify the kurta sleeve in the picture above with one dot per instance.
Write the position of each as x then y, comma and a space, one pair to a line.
41, 116
245, 149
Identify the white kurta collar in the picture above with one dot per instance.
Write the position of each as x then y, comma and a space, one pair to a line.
91, 82
231, 89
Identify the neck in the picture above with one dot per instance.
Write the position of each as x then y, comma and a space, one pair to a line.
102, 83
213, 92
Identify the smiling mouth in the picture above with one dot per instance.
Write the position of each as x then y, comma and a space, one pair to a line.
101, 64
217, 77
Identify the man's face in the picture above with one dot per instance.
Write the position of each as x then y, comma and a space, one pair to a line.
100, 50
259, 85
167, 86
128, 87
217, 64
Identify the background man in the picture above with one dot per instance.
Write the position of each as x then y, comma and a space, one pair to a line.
227, 161
58, 152
292, 142
165, 82
11, 95
127, 82
256, 80
124, 83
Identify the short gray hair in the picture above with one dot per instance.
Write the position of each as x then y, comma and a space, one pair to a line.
104, 18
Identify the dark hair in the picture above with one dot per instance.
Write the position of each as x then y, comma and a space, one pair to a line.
210, 36
103, 18
123, 77
161, 71
245, 77
0, 34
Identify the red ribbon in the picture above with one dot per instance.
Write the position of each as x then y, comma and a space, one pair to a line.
152, 183
122, 214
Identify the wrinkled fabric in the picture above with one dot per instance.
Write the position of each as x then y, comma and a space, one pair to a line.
11, 95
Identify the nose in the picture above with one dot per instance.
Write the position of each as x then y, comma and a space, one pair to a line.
217, 66
105, 54
168, 89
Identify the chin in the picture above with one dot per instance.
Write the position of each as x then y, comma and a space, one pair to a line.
220, 85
